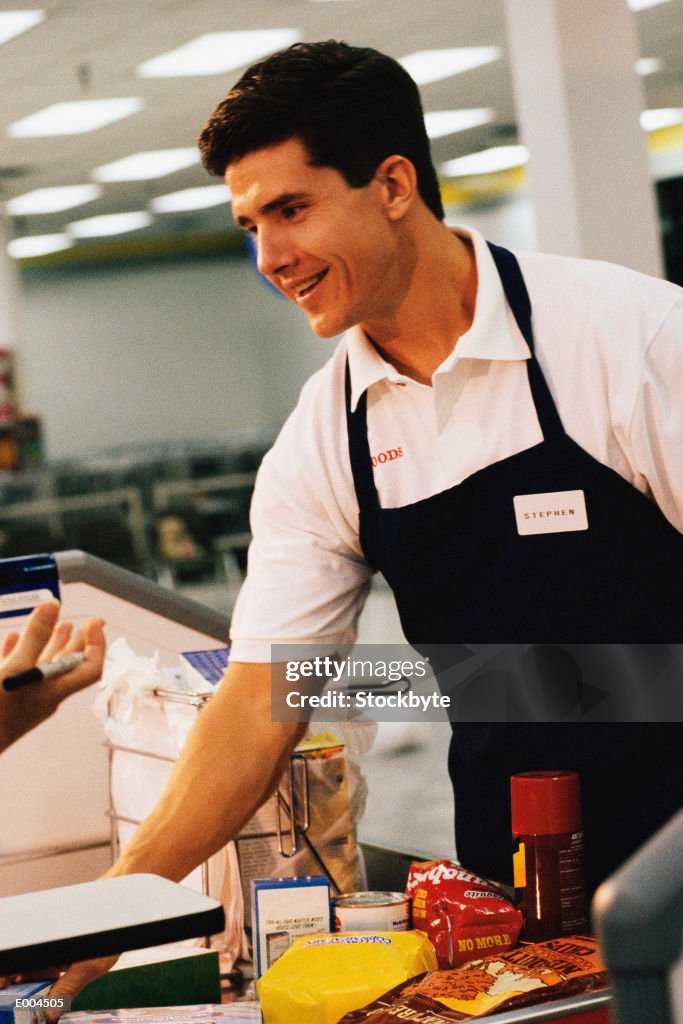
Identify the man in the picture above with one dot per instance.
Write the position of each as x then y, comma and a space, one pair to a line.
324, 149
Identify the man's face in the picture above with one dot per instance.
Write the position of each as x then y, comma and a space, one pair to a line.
327, 247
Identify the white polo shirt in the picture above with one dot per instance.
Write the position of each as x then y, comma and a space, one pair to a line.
610, 344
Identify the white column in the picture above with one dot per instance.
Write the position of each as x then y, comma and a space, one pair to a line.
578, 101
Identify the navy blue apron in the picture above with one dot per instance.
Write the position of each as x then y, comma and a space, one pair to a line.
461, 573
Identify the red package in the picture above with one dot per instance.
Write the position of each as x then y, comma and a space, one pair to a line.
464, 916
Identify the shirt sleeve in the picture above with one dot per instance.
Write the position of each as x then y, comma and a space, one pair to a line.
656, 428
307, 579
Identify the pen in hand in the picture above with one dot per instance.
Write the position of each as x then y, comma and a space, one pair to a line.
48, 671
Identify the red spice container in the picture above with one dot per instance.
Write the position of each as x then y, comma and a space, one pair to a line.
548, 863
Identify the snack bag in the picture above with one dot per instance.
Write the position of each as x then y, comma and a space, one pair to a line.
537, 973
321, 977
463, 915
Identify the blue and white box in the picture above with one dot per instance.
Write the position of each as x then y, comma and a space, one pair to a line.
284, 908
29, 993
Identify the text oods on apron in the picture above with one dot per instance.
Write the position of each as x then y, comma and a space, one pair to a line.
467, 565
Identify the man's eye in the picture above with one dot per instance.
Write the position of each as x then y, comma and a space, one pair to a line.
288, 212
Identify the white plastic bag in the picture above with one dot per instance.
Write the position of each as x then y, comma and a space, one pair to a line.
147, 731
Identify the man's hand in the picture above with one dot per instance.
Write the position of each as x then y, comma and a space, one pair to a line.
43, 639
76, 978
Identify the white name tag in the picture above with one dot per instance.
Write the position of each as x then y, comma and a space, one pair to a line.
555, 512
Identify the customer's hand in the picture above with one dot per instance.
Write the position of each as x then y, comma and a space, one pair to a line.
43, 639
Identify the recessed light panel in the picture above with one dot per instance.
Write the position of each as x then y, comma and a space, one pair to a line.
649, 65
13, 23
218, 52
446, 122
37, 245
143, 166
498, 158
110, 224
427, 66
52, 200
74, 118
640, 5
192, 199
665, 117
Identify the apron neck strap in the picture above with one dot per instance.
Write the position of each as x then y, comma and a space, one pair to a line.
359, 447
518, 301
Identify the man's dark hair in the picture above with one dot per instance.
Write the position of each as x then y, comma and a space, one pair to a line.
351, 107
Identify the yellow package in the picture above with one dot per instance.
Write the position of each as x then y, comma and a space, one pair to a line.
322, 977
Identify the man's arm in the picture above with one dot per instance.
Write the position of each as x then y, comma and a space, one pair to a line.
231, 763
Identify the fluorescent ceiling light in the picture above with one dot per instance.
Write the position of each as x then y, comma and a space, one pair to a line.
427, 66
446, 122
73, 118
37, 245
640, 5
499, 158
651, 120
649, 65
52, 200
13, 23
155, 163
192, 199
218, 52
110, 224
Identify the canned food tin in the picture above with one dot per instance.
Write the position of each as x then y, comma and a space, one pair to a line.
371, 911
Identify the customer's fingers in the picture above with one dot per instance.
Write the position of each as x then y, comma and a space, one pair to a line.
90, 639
34, 637
61, 635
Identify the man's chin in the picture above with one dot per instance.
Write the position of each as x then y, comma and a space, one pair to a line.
325, 328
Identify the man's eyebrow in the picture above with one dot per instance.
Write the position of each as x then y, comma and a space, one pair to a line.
275, 204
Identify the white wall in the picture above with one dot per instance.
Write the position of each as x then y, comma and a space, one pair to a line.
158, 352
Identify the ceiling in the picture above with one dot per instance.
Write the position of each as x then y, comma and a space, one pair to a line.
91, 48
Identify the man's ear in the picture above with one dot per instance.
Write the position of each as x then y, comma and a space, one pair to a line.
397, 178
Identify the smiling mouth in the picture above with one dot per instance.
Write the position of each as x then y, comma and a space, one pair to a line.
306, 287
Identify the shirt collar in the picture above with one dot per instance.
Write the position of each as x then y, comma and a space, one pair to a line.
493, 334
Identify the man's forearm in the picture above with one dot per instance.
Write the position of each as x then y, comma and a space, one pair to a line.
230, 764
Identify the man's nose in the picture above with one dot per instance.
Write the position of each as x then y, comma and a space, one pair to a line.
272, 252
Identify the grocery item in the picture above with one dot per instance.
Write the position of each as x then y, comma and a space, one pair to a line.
282, 909
463, 915
22, 1002
371, 911
236, 1013
548, 862
175, 973
531, 974
326, 787
322, 977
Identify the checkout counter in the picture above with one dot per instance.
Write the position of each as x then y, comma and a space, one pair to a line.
61, 833
57, 830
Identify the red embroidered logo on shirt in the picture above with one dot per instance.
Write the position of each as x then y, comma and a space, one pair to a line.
388, 456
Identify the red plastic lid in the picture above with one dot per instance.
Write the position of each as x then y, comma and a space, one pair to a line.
545, 803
